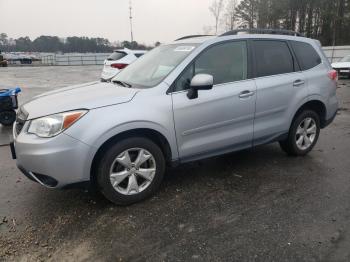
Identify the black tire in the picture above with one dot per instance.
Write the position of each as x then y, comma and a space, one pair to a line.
7, 118
106, 162
289, 145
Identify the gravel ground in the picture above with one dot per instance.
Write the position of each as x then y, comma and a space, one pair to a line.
255, 205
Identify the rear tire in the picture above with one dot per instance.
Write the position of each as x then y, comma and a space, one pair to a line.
303, 134
7, 118
131, 170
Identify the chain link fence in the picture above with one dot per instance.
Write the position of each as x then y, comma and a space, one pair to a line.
334, 54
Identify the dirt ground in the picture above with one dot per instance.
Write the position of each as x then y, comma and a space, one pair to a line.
255, 205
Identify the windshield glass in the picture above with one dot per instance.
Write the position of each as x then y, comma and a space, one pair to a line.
345, 59
153, 67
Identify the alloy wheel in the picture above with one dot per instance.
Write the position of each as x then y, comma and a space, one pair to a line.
306, 133
132, 171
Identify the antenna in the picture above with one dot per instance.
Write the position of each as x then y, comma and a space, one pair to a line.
131, 33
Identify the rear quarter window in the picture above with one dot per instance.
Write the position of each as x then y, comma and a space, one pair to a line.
306, 55
138, 55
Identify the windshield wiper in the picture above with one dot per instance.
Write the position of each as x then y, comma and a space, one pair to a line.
121, 83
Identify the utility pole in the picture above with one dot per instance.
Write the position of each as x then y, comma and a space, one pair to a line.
130, 9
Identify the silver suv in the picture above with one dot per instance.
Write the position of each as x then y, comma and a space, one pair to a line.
192, 99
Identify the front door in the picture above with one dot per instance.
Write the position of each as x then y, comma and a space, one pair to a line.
221, 119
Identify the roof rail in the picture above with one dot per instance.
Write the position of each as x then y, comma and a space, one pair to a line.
190, 36
263, 31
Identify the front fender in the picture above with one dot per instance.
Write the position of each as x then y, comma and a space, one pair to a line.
101, 124
133, 125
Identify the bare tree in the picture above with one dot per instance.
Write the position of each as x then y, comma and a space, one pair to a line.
208, 30
216, 9
230, 17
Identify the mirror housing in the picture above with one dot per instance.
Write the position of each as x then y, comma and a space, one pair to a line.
200, 82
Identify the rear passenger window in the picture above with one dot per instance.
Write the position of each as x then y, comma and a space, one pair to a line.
306, 55
272, 58
225, 62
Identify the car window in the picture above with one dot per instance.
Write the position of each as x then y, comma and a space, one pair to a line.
116, 56
139, 54
225, 62
306, 55
152, 68
272, 58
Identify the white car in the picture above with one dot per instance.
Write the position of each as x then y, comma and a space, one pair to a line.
117, 61
343, 66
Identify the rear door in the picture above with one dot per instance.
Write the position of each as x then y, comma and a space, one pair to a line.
280, 87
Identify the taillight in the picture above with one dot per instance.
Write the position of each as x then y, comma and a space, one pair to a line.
119, 66
333, 74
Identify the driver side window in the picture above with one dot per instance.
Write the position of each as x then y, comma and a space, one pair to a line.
226, 62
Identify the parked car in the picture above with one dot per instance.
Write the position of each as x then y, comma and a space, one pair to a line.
117, 61
3, 61
343, 66
191, 99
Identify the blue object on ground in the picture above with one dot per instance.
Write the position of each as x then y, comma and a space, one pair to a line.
9, 92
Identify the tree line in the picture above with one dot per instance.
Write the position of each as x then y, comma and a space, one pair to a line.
54, 44
325, 20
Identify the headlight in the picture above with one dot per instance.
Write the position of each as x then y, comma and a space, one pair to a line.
52, 125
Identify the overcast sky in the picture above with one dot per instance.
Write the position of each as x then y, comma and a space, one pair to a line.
154, 20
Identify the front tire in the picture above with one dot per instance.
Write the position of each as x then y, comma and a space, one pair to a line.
303, 134
131, 170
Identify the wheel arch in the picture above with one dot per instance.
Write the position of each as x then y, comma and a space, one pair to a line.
317, 106
152, 134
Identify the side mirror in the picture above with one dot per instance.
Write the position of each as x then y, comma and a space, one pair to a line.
200, 82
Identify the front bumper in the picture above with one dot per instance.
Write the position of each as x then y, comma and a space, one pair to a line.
55, 162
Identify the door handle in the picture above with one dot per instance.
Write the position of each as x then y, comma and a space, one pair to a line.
298, 82
246, 94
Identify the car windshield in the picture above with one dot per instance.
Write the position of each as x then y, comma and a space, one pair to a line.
345, 59
152, 68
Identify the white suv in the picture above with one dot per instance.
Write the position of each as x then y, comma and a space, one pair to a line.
117, 61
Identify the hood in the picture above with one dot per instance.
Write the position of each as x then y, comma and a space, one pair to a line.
86, 96
341, 65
